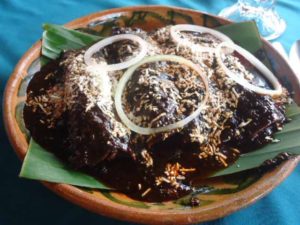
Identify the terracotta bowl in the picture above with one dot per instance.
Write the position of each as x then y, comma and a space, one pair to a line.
244, 188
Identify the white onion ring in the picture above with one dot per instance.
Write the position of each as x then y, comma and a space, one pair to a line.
195, 28
127, 75
107, 41
254, 61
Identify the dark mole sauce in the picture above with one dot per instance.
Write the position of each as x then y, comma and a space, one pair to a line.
258, 80
124, 172
123, 169
50, 138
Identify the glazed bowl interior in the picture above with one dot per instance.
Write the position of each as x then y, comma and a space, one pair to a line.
244, 188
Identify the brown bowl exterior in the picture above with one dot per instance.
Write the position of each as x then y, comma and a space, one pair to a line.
103, 206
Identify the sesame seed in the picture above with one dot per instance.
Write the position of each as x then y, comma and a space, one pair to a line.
146, 192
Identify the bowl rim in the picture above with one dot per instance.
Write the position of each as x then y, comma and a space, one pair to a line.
106, 207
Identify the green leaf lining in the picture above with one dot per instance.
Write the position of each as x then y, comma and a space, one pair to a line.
289, 142
58, 38
40, 164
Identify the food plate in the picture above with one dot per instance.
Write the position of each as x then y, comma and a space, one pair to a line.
230, 193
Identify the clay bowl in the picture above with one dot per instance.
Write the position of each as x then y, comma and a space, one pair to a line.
116, 205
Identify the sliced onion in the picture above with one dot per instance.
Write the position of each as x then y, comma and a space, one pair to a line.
148, 130
255, 62
110, 40
174, 32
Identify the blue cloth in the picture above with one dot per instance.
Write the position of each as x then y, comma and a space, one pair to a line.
28, 202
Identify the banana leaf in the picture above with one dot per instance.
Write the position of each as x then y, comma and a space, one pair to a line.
58, 38
289, 142
40, 164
